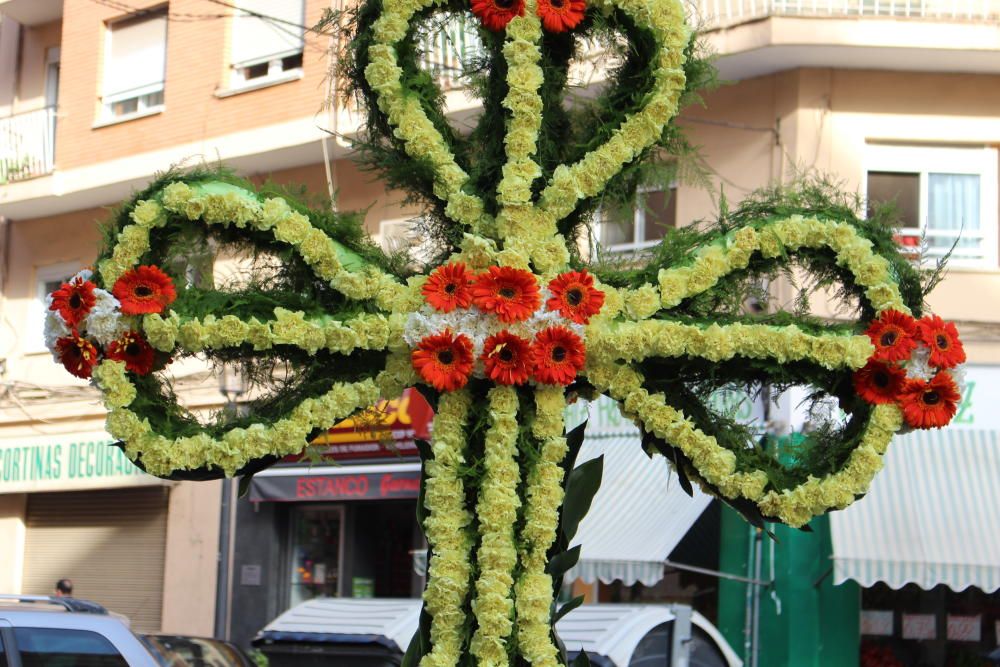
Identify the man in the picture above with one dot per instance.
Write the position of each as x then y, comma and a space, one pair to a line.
64, 588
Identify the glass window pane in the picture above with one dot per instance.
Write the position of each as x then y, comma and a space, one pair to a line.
618, 226
48, 647
660, 211
953, 213
315, 554
903, 189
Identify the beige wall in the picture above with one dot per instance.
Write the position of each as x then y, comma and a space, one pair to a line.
12, 542
197, 66
190, 577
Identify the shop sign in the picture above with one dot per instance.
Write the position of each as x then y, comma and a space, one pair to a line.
919, 626
337, 487
387, 430
67, 463
965, 628
876, 622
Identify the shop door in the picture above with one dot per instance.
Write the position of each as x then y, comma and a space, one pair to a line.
317, 552
110, 543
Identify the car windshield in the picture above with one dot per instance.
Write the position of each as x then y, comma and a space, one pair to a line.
172, 651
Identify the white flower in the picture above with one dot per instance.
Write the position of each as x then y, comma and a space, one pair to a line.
105, 322
55, 328
919, 366
958, 375
84, 274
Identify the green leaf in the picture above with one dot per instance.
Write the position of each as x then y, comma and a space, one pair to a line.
561, 563
567, 608
413, 653
574, 440
582, 660
582, 486
424, 448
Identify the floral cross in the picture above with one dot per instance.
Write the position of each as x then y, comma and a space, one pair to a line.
503, 331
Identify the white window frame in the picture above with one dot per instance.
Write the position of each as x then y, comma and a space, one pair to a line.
147, 103
923, 160
420, 251
638, 223
276, 73
37, 308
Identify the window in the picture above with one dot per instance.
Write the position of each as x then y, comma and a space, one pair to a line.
47, 280
267, 40
448, 47
945, 197
50, 647
135, 58
644, 226
317, 551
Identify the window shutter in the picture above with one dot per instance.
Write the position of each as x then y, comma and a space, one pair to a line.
135, 62
257, 40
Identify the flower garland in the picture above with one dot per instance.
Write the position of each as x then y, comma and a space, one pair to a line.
544, 496
497, 512
447, 530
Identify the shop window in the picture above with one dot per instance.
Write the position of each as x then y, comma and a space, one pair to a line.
135, 60
267, 41
946, 199
317, 553
643, 226
47, 647
47, 280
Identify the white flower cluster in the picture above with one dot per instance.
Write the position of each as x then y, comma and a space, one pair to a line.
919, 367
479, 325
104, 322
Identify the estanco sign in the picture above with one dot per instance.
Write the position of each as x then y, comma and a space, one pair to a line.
70, 462
344, 483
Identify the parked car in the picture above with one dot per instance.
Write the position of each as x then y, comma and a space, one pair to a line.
38, 631
334, 632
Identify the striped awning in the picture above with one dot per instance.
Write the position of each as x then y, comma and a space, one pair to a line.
932, 515
638, 516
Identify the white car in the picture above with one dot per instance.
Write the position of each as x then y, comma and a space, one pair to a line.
342, 632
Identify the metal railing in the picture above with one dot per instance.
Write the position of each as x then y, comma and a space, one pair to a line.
710, 14
27, 144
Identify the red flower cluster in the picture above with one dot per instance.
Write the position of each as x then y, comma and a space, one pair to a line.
925, 403
556, 15
145, 289
555, 356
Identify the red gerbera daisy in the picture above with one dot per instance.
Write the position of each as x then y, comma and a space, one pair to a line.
510, 293
557, 355
930, 404
449, 287
894, 336
496, 14
77, 354
144, 289
133, 349
73, 300
507, 358
561, 15
879, 383
574, 296
444, 360
942, 338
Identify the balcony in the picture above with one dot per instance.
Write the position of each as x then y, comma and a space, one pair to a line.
715, 14
27, 145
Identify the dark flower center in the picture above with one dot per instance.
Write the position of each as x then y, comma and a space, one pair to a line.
450, 288
132, 349
506, 355
508, 292
574, 297
556, 3
143, 291
446, 357
942, 341
503, 4
888, 338
932, 398
75, 301
558, 353
881, 379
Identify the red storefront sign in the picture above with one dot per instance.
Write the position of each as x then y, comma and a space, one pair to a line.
339, 486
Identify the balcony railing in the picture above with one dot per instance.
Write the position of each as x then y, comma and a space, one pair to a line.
709, 14
27, 144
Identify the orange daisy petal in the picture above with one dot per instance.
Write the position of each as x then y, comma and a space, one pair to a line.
942, 338
879, 383
574, 296
449, 287
143, 290
894, 336
134, 351
557, 355
507, 358
444, 360
77, 354
930, 404
510, 293
73, 300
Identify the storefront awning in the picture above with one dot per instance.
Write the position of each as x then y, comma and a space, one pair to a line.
343, 483
932, 515
638, 516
